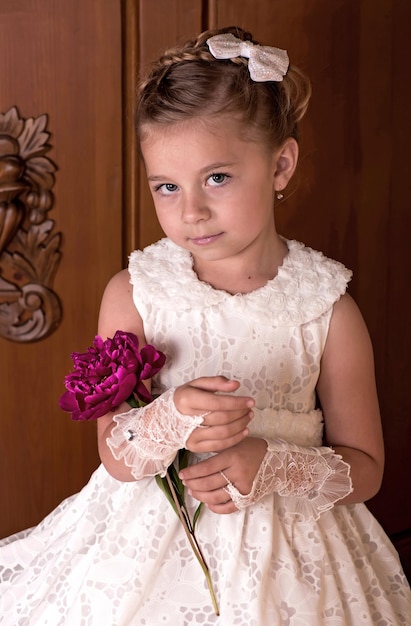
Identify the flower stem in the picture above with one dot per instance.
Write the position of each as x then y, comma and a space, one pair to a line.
194, 545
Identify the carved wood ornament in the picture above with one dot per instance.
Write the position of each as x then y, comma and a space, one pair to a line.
29, 252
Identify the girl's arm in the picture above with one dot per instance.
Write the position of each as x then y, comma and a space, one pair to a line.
117, 312
348, 396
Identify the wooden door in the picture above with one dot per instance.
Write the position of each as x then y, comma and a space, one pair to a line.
63, 60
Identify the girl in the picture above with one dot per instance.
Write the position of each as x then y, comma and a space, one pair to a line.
254, 328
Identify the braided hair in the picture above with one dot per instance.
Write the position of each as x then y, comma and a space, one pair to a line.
187, 82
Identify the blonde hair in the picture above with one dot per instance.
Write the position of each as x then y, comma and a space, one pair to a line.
188, 82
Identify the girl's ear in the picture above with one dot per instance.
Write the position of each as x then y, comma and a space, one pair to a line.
285, 162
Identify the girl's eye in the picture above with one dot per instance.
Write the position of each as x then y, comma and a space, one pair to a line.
217, 179
166, 189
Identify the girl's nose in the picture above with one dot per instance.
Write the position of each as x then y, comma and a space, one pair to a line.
195, 208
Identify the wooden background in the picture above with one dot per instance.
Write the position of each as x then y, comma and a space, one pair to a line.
76, 61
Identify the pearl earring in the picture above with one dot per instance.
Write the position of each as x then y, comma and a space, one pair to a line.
279, 195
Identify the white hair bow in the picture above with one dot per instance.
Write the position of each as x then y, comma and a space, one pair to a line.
265, 63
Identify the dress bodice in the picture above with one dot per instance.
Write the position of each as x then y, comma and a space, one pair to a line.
271, 340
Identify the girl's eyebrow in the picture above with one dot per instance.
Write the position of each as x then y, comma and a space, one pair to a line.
153, 178
207, 168
217, 165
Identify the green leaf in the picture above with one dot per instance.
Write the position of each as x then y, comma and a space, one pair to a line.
197, 514
177, 484
180, 462
183, 456
135, 404
163, 484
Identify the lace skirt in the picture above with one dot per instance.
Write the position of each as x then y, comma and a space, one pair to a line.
115, 554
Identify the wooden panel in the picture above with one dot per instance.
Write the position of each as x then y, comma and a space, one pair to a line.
351, 195
162, 24
63, 59
394, 507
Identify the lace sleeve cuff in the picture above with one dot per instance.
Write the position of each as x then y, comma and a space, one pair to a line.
147, 439
305, 481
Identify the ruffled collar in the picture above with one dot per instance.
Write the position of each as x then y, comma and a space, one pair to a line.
305, 287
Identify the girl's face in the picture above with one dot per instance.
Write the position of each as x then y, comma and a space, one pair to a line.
213, 191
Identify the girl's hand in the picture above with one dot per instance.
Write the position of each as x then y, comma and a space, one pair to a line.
239, 464
227, 415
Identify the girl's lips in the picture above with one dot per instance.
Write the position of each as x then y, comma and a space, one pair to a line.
203, 241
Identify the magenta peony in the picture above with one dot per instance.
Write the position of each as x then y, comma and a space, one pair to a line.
109, 373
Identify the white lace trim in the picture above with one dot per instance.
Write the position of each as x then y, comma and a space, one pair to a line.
308, 481
306, 286
148, 439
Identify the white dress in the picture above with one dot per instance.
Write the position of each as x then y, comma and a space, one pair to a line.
115, 553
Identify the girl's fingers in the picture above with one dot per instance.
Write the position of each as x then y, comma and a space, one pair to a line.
227, 419
213, 498
215, 438
239, 463
209, 467
223, 509
200, 401
205, 484
217, 501
193, 399
199, 444
214, 383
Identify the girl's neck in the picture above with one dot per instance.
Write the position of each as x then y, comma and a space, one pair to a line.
242, 273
